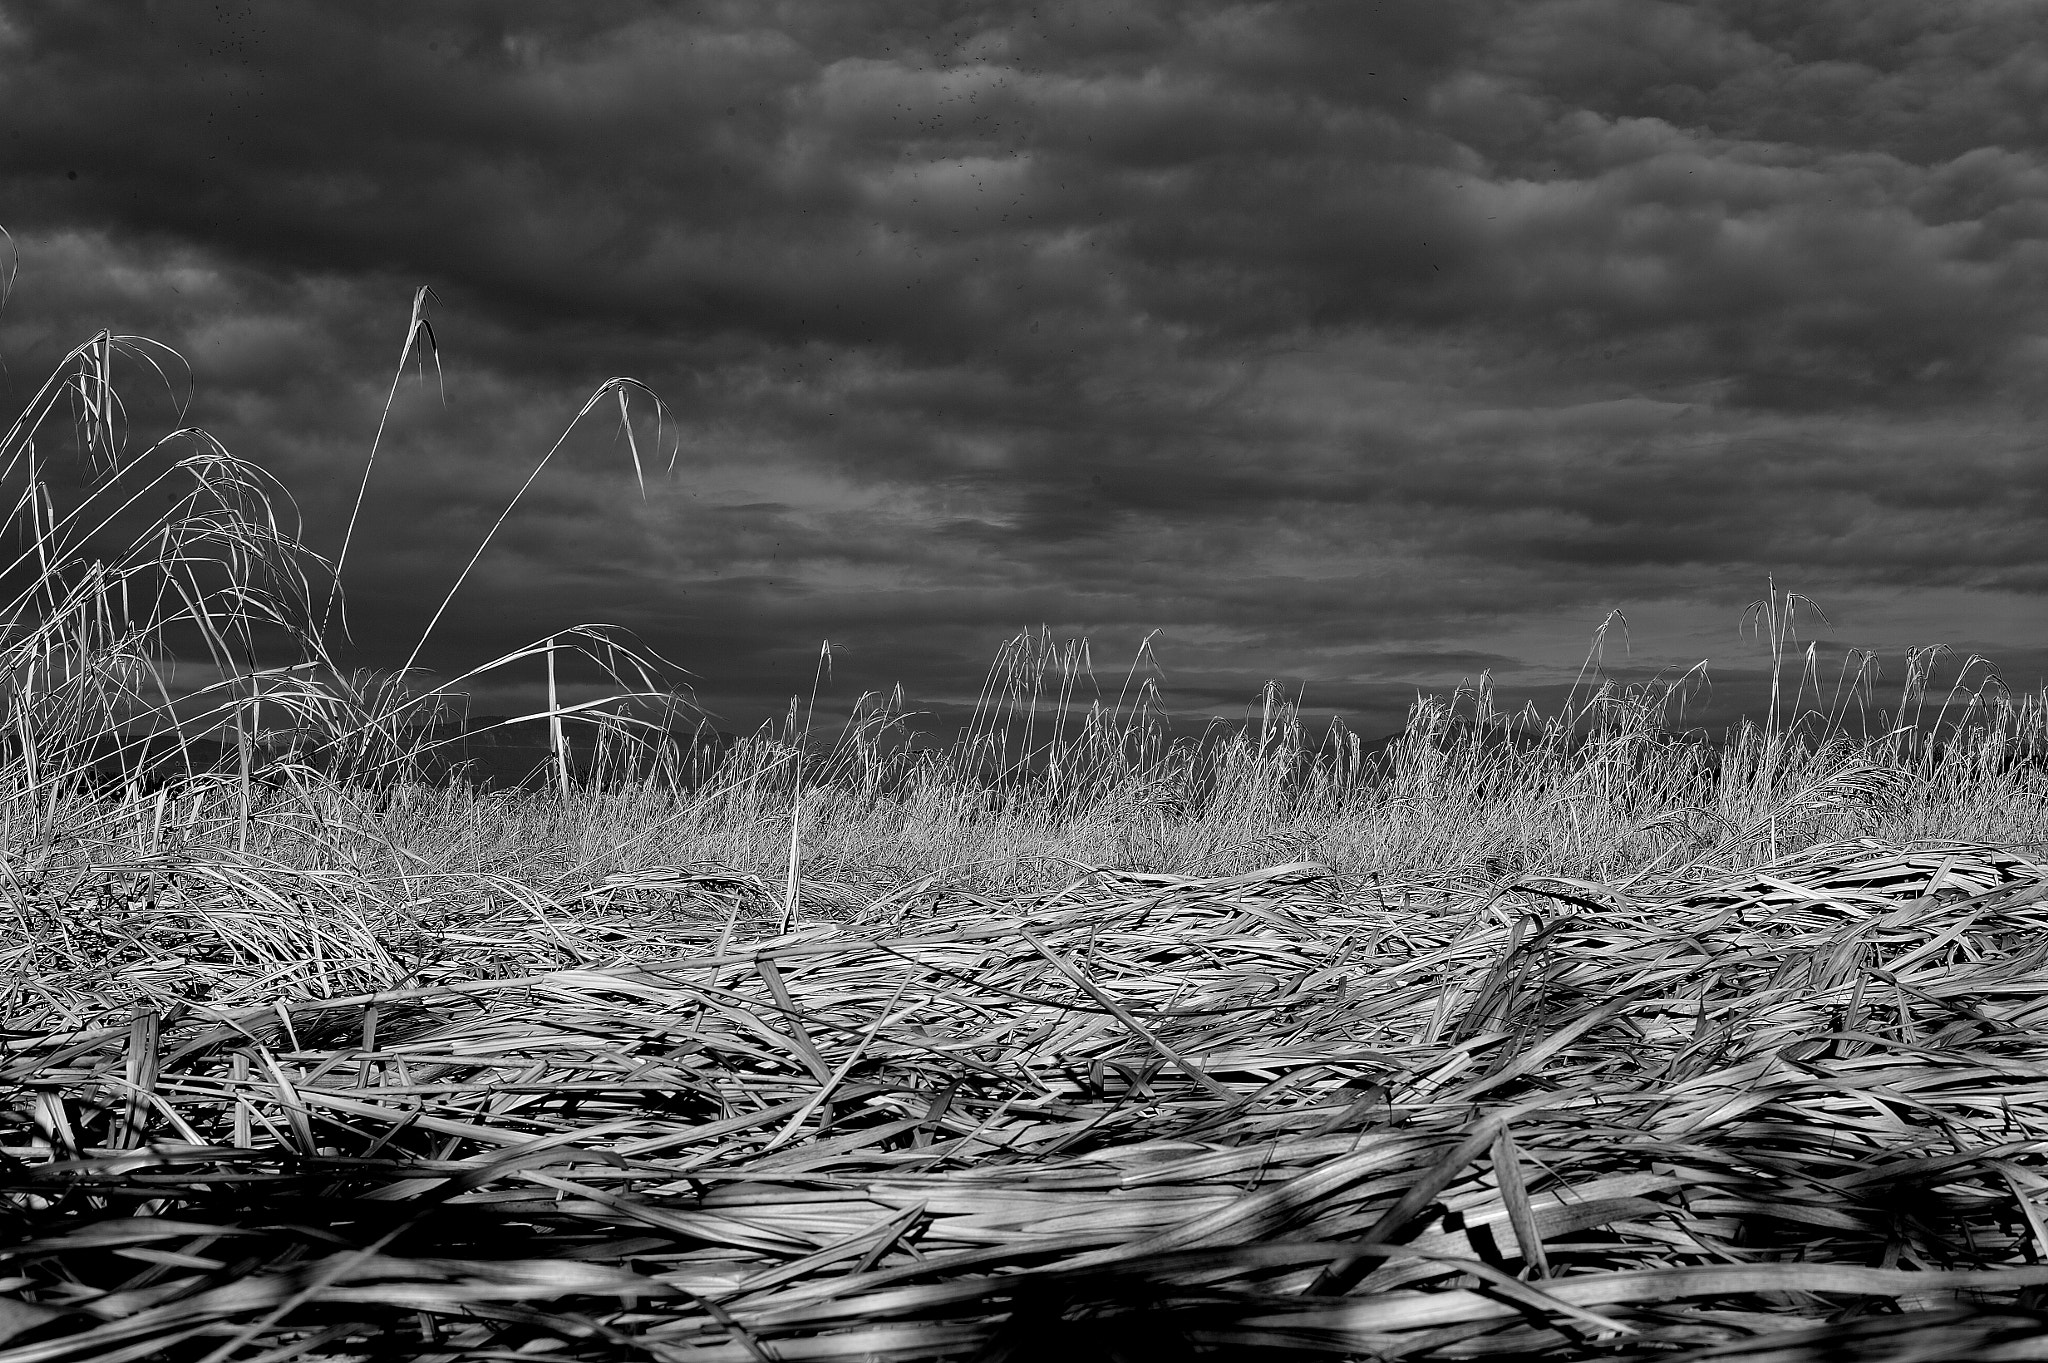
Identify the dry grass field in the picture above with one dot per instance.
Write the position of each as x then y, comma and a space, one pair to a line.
1529, 1036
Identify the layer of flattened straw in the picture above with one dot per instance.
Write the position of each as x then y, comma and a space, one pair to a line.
1756, 1120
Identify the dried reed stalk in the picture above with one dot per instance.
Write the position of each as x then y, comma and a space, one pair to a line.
1794, 1111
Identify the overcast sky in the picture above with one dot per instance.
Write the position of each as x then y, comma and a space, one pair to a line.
1361, 346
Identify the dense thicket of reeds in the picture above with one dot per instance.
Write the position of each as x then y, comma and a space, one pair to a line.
1569, 1034
258, 869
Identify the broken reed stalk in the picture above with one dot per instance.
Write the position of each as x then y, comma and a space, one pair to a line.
1775, 1103
792, 885
558, 748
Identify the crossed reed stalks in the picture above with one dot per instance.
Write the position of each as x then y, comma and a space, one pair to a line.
1520, 1035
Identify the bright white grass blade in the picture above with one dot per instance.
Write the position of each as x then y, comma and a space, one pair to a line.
417, 330
632, 443
86, 371
595, 642
792, 885
609, 388
91, 624
385, 740
557, 743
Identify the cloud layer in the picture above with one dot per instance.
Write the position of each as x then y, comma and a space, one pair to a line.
1363, 345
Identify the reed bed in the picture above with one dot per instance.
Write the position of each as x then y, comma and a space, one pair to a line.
1277, 1114
1565, 1035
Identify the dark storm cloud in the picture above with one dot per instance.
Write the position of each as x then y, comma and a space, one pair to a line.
1331, 338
